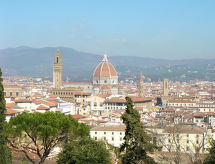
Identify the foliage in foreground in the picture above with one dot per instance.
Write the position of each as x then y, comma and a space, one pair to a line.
137, 141
39, 133
5, 154
210, 159
85, 151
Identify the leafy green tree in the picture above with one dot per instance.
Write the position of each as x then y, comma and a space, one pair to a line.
210, 159
85, 151
39, 133
137, 141
5, 155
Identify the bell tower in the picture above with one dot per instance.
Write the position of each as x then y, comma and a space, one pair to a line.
141, 83
57, 70
165, 87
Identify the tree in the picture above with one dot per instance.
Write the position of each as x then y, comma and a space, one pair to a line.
5, 155
86, 151
137, 141
210, 159
39, 133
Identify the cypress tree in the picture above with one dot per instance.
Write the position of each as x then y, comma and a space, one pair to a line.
137, 141
5, 155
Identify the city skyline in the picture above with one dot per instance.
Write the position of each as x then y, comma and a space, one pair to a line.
157, 29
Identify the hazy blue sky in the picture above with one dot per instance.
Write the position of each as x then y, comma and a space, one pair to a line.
171, 29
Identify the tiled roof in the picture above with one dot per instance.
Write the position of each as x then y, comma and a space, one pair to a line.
9, 105
78, 116
42, 107
11, 111
109, 128
185, 129
103, 95
115, 100
140, 99
105, 87
23, 101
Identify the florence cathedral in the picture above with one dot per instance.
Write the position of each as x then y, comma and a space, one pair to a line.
105, 80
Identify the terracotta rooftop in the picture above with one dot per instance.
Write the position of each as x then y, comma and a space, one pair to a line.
9, 105
103, 95
74, 82
115, 100
109, 128
185, 129
140, 99
78, 116
12, 86
105, 87
42, 107
23, 101
11, 111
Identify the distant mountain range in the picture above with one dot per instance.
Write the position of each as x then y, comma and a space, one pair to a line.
79, 66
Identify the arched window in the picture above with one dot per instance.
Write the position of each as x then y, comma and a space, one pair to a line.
57, 59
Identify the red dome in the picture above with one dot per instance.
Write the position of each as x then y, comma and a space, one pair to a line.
105, 87
105, 69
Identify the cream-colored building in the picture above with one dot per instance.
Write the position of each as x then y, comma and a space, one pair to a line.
178, 138
13, 91
206, 107
96, 104
181, 103
112, 134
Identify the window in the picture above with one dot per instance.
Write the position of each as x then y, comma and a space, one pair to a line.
4, 93
187, 148
197, 141
104, 138
112, 138
187, 141
120, 133
104, 132
169, 140
95, 138
105, 81
95, 104
11, 93
187, 135
120, 138
101, 104
112, 133
95, 132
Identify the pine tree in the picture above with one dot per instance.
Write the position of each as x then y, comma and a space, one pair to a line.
137, 141
210, 159
5, 156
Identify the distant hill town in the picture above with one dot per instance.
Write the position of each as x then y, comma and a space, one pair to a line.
79, 66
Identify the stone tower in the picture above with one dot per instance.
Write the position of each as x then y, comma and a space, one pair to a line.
57, 70
141, 94
165, 87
